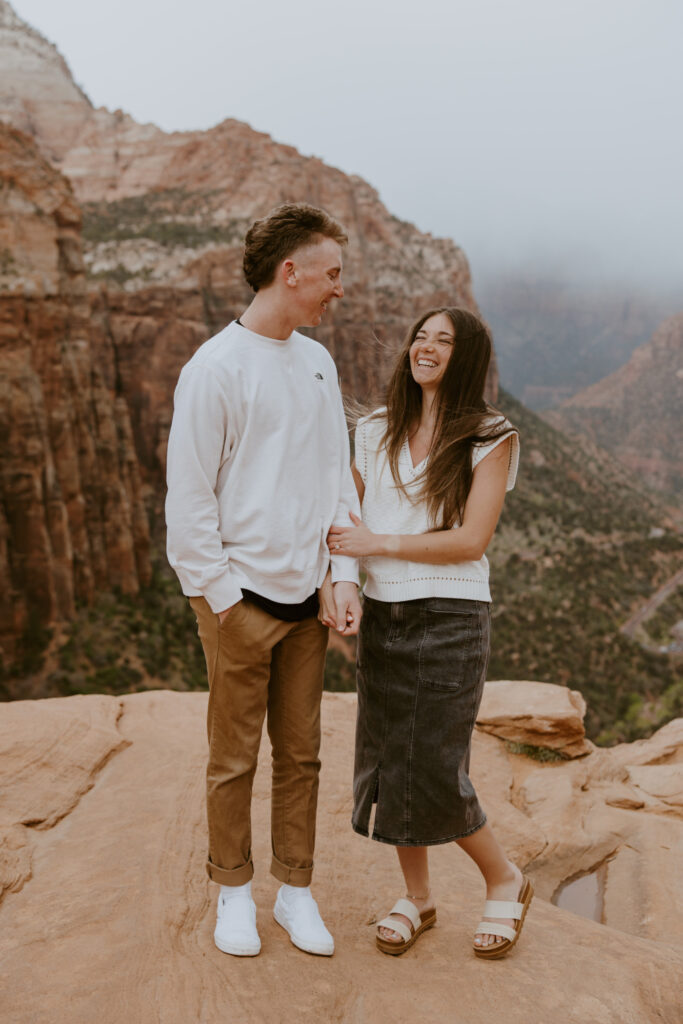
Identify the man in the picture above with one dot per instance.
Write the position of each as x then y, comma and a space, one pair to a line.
258, 471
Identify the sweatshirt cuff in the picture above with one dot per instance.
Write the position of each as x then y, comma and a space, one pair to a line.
222, 593
344, 569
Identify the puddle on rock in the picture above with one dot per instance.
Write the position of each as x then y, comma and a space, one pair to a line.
584, 895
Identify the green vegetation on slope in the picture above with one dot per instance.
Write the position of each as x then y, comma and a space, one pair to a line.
122, 644
172, 217
659, 626
575, 554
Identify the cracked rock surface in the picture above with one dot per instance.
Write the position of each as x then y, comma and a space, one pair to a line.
112, 920
51, 752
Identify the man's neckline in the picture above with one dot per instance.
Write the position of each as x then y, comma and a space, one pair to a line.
264, 337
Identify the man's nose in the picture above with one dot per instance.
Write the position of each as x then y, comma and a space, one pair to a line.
339, 290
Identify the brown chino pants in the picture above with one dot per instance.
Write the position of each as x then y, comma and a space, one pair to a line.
257, 663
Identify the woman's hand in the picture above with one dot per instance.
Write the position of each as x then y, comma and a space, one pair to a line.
354, 541
327, 613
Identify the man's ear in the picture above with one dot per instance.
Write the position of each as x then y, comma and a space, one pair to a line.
288, 272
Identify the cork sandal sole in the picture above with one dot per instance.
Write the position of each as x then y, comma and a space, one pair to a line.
503, 908
420, 923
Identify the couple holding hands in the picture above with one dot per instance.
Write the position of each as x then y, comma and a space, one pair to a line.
267, 521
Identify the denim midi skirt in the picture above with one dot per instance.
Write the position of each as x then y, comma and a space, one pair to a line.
421, 672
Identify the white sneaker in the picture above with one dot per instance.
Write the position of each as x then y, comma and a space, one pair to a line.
297, 912
236, 921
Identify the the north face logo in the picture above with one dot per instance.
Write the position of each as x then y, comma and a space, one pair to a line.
319, 376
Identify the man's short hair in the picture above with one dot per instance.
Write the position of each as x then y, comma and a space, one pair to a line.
275, 237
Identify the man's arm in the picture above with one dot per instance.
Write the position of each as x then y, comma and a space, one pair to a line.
344, 570
195, 451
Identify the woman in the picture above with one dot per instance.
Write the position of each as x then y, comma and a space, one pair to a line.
431, 470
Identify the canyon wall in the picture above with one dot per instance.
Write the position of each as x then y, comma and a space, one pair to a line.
72, 518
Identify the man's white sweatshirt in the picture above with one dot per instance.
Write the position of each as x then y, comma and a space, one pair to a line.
257, 469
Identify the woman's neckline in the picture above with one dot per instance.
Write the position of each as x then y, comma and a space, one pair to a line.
413, 467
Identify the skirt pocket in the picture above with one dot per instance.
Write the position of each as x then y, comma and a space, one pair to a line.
455, 647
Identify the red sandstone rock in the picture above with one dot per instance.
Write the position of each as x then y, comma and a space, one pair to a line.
72, 520
38, 94
69, 743
538, 714
114, 918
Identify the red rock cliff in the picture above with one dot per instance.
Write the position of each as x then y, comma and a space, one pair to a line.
71, 515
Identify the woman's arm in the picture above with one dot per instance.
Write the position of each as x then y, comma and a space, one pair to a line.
439, 547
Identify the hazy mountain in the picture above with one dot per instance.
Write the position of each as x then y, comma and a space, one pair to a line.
553, 339
636, 412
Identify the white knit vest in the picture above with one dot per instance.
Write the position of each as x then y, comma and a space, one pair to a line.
386, 509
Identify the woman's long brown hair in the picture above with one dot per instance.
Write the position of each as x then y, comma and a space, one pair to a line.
463, 418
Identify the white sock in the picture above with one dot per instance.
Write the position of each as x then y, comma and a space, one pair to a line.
233, 890
295, 890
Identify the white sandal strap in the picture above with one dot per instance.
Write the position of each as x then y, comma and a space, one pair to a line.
489, 928
503, 908
408, 910
396, 926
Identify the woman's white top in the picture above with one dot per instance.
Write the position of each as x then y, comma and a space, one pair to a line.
385, 509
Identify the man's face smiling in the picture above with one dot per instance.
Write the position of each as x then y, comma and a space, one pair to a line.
318, 273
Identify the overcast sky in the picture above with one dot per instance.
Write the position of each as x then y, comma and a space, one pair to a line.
530, 131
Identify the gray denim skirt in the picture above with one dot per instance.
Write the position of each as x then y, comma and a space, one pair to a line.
421, 672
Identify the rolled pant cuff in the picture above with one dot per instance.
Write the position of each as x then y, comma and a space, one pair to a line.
234, 876
291, 876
